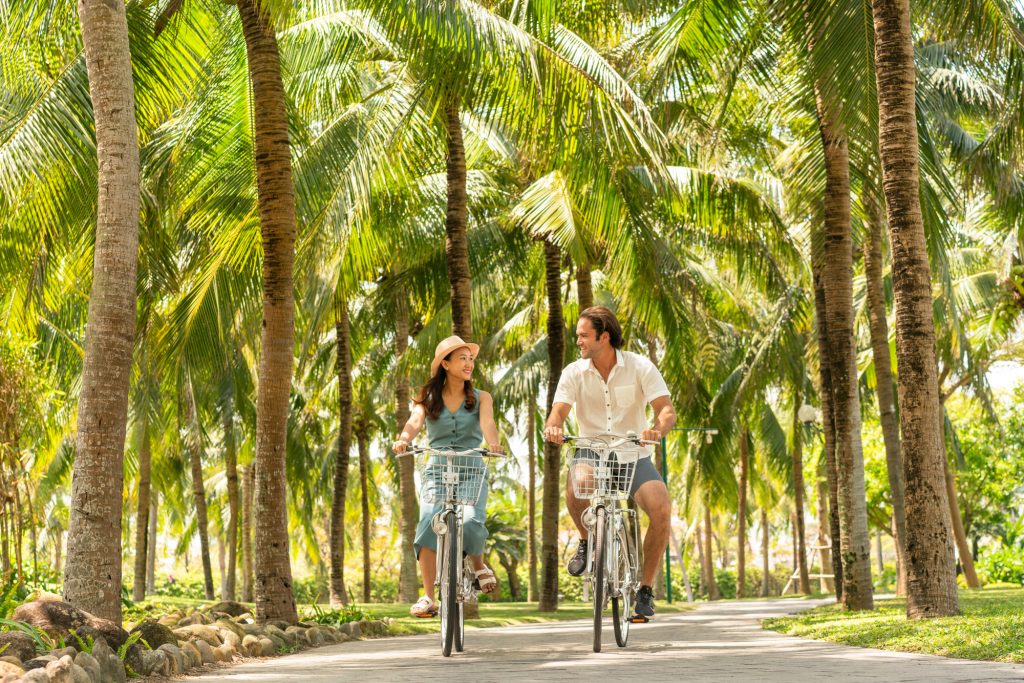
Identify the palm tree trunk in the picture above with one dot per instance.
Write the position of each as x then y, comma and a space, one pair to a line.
195, 449
142, 514
709, 564
931, 580
273, 585
828, 427
231, 471
343, 367
798, 498
363, 441
456, 247
741, 522
878, 551
531, 498
151, 544
765, 575
248, 484
92, 573
552, 452
963, 548
838, 281
879, 329
824, 554
408, 584
584, 286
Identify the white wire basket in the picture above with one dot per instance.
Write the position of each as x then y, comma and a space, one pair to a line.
597, 470
451, 477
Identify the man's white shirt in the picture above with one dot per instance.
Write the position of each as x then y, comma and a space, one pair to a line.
617, 406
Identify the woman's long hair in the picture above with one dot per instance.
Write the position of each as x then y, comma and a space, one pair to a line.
430, 394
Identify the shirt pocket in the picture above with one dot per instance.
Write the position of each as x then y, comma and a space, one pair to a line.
624, 396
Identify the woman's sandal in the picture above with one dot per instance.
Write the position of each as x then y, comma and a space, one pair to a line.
424, 608
486, 580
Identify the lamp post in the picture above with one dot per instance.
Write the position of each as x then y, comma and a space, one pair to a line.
709, 434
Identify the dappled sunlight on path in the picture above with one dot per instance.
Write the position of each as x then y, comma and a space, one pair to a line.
717, 642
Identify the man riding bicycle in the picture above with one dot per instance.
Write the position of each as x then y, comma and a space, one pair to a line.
611, 389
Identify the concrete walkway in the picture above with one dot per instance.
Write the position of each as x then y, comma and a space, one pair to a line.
716, 642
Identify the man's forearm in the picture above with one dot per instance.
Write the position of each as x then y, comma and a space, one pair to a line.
666, 420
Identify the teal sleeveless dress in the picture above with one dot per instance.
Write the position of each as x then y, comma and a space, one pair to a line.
459, 430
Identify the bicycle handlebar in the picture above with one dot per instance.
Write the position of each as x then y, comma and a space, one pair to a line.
629, 438
482, 452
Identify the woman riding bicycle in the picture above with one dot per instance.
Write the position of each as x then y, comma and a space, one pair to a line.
457, 417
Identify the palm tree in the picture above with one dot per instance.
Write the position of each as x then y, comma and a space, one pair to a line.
194, 446
931, 581
343, 365
273, 585
879, 332
92, 573
550, 506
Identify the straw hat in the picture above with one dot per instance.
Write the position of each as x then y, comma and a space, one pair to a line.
447, 346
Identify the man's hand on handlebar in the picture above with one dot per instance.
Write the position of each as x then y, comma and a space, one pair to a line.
554, 434
650, 435
496, 449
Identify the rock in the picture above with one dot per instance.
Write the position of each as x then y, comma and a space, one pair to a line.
343, 638
10, 668
232, 609
278, 623
111, 667
194, 618
273, 632
206, 655
10, 678
199, 632
352, 629
228, 625
168, 621
251, 646
60, 671
154, 633
87, 662
80, 675
298, 635
39, 662
252, 629
176, 656
58, 619
226, 652
70, 651
267, 646
315, 636
193, 656
279, 643
230, 637
17, 644
35, 676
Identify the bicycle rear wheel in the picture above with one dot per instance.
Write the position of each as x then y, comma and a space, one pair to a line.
622, 604
450, 565
599, 574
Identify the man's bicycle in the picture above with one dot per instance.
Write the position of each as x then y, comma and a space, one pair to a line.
453, 479
601, 471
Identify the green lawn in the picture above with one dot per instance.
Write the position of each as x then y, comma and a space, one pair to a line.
990, 628
498, 614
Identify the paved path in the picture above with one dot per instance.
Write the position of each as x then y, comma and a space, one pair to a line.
716, 642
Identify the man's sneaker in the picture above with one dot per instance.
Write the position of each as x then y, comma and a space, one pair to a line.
578, 563
645, 602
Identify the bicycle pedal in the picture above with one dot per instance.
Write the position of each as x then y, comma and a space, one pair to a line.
639, 619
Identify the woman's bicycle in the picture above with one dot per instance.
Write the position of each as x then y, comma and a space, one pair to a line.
601, 471
453, 479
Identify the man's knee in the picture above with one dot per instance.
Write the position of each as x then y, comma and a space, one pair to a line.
653, 499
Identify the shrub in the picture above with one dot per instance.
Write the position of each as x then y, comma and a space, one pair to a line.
1005, 565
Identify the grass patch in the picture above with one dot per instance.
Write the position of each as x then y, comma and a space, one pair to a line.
990, 628
497, 614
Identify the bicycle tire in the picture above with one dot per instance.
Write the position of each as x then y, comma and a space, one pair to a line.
599, 574
622, 604
449, 585
460, 625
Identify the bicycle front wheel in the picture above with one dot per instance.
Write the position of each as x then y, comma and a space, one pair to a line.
450, 565
599, 574
622, 604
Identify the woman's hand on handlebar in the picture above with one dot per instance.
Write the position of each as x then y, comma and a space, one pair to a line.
400, 446
554, 434
497, 448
